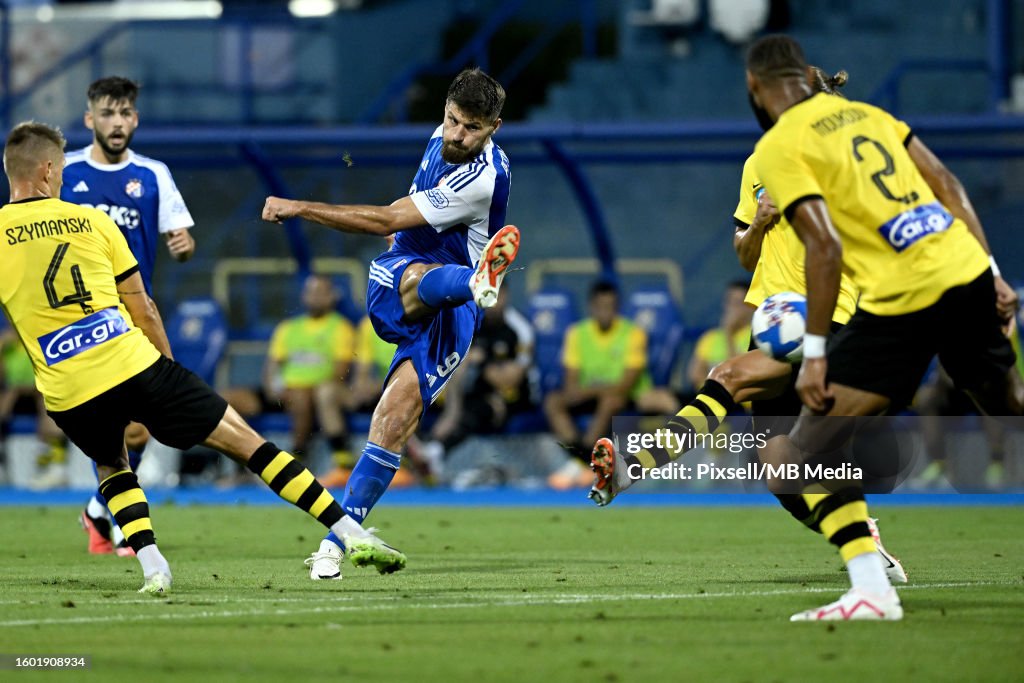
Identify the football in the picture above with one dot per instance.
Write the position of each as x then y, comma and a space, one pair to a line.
778, 326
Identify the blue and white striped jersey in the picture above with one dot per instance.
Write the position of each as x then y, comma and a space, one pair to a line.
464, 205
138, 194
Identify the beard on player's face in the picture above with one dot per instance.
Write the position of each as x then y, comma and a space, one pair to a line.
454, 153
115, 143
760, 113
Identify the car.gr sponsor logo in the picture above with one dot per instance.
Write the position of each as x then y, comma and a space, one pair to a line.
80, 336
914, 224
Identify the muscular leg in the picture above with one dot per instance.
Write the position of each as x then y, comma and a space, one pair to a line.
752, 376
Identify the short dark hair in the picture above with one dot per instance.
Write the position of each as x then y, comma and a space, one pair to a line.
477, 94
602, 287
775, 57
28, 144
739, 283
116, 88
828, 84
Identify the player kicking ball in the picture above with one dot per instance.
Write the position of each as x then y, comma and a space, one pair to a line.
427, 293
101, 358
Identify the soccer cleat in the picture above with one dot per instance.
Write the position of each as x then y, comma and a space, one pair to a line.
325, 564
370, 550
610, 468
158, 584
495, 259
124, 550
893, 569
98, 543
856, 605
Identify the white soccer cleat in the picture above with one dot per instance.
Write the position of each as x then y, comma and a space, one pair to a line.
495, 259
893, 568
325, 564
364, 551
158, 584
610, 468
856, 605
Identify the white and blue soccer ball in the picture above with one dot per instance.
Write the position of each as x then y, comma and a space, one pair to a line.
778, 326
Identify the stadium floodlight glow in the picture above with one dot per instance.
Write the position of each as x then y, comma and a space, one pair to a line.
312, 8
126, 11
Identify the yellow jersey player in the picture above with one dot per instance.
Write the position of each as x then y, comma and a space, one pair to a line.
869, 199
73, 293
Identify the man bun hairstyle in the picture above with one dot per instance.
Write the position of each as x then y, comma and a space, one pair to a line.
776, 57
477, 94
116, 88
821, 81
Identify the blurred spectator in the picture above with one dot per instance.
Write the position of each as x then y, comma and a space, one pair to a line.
738, 20
730, 338
493, 386
309, 359
605, 361
19, 395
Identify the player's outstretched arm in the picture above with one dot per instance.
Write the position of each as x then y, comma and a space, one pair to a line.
144, 312
355, 218
950, 191
747, 240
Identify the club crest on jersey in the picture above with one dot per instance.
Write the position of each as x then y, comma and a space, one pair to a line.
915, 224
437, 198
133, 188
82, 335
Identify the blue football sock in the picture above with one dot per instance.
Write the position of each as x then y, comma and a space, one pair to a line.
367, 483
446, 287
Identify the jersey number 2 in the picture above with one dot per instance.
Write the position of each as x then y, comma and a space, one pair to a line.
889, 170
80, 296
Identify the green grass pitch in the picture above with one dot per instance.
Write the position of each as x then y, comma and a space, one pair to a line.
509, 594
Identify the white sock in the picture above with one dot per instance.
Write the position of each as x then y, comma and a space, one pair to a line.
347, 525
116, 535
152, 561
867, 573
329, 546
96, 509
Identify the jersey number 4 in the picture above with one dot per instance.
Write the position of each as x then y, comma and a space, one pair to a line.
888, 170
80, 296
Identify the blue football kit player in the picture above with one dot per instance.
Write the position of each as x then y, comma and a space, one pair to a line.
139, 195
427, 293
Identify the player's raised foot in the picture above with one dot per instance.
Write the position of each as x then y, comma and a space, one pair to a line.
856, 605
158, 584
495, 259
368, 550
893, 568
610, 468
325, 563
99, 544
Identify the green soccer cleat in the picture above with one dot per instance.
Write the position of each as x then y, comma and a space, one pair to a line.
159, 584
368, 550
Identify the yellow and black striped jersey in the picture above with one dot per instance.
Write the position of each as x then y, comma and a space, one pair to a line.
780, 267
901, 247
61, 266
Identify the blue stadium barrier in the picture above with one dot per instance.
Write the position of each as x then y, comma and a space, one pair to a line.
198, 333
657, 313
550, 311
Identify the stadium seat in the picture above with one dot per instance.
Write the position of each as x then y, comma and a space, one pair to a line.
654, 309
551, 311
198, 334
